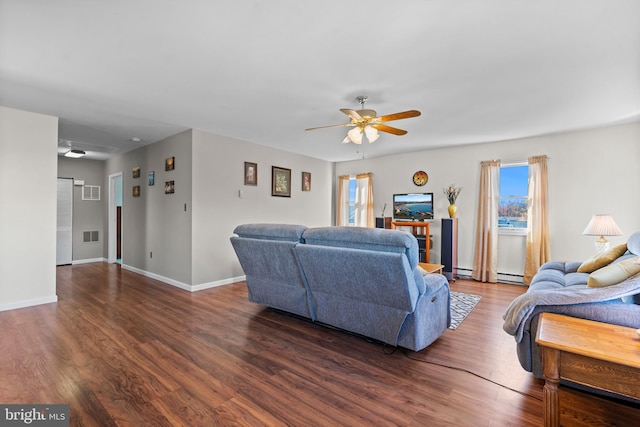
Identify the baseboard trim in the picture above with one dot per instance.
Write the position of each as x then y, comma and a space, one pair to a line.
88, 261
217, 283
509, 278
167, 280
29, 303
182, 285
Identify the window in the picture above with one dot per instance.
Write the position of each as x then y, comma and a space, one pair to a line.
355, 201
352, 200
512, 205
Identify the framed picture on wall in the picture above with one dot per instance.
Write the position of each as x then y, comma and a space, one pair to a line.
136, 191
170, 164
152, 178
169, 187
136, 172
306, 181
280, 181
250, 173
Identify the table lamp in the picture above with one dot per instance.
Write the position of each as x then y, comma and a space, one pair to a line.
602, 225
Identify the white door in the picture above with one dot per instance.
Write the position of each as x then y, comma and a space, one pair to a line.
65, 221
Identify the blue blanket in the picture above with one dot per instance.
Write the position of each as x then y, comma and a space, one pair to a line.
518, 312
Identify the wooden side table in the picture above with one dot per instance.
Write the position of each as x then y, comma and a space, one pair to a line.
594, 354
431, 268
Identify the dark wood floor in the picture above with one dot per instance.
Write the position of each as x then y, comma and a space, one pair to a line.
124, 350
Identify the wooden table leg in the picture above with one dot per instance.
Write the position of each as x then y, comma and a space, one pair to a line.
550, 397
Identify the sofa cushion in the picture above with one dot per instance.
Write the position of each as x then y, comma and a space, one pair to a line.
282, 232
633, 243
603, 259
614, 273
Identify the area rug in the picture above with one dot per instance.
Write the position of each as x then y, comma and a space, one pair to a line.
461, 306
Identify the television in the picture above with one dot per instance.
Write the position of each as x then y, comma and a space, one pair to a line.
413, 207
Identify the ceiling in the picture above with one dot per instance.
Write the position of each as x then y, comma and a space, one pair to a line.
263, 71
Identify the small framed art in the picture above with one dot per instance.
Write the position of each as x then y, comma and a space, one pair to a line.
136, 191
250, 173
169, 187
280, 181
170, 164
306, 181
136, 172
152, 178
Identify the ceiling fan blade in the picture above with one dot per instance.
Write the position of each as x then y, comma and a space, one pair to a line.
331, 126
389, 129
353, 114
398, 116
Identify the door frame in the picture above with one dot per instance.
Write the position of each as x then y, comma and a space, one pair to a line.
111, 250
68, 256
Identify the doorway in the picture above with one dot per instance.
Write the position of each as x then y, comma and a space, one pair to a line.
114, 251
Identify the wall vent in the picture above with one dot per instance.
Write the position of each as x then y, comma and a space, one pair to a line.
91, 192
90, 236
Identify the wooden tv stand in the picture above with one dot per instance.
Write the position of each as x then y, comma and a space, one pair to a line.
416, 228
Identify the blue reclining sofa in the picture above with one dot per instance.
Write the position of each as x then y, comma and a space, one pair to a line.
361, 280
605, 288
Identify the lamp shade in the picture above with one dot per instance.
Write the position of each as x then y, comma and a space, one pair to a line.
602, 225
355, 135
372, 133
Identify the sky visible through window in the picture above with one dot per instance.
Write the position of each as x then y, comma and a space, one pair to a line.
512, 208
514, 181
352, 201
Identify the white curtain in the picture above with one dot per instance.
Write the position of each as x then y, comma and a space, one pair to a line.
342, 204
485, 263
538, 241
364, 201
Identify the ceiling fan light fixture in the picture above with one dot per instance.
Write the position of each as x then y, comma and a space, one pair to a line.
355, 135
372, 133
74, 154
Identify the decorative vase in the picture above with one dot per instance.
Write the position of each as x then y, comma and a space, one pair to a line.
452, 210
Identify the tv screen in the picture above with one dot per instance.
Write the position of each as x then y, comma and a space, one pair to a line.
413, 207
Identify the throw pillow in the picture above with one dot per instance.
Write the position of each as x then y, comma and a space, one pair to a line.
633, 243
600, 260
614, 273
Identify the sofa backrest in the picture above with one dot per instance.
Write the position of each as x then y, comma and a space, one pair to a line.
355, 274
265, 252
374, 239
283, 232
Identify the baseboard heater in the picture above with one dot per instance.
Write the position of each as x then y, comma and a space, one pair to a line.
510, 278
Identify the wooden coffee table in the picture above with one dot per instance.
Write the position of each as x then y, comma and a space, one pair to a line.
431, 268
595, 354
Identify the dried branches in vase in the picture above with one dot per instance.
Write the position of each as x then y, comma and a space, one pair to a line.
452, 194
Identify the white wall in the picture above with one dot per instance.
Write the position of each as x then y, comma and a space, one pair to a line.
593, 171
29, 208
156, 229
218, 176
88, 215
191, 248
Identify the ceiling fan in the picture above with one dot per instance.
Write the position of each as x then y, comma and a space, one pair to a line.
365, 122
